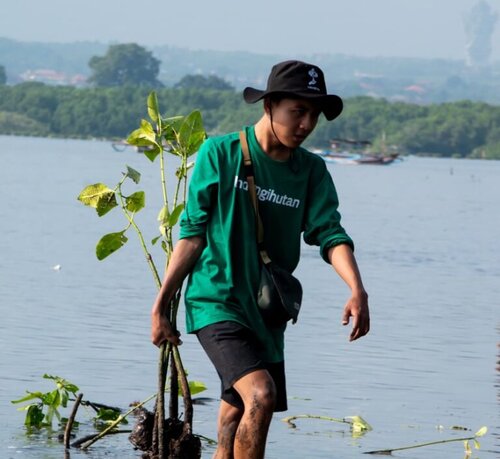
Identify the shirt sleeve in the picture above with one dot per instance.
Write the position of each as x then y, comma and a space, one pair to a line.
202, 191
322, 220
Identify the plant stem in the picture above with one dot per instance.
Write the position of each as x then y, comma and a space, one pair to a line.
163, 180
419, 445
159, 427
289, 419
115, 423
131, 221
186, 393
71, 420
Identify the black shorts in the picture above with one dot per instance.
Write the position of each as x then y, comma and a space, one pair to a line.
232, 348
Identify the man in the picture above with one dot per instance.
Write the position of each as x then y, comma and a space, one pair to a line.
218, 248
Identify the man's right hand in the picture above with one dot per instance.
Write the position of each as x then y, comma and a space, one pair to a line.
161, 330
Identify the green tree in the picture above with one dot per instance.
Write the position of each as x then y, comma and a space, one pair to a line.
3, 75
125, 64
203, 82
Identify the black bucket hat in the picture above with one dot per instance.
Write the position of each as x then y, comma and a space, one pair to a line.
298, 79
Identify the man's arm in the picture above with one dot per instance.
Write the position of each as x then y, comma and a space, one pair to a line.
184, 256
342, 259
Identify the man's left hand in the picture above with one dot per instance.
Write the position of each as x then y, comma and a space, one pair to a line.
357, 308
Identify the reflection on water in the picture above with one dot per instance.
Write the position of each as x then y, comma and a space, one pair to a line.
427, 245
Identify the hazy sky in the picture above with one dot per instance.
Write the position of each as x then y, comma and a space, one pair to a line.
412, 28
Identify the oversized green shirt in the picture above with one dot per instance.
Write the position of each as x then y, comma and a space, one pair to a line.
295, 197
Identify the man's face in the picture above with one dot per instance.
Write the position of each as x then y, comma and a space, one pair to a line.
293, 120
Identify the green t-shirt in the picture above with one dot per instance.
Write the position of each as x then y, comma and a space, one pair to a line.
295, 197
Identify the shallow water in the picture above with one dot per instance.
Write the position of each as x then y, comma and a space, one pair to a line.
426, 234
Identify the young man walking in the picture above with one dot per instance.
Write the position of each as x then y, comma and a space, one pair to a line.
218, 250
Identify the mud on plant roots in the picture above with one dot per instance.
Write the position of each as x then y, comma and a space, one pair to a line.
180, 443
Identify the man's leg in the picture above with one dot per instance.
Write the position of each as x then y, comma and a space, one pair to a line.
258, 392
229, 419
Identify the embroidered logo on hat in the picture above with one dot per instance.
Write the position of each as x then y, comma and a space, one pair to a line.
312, 83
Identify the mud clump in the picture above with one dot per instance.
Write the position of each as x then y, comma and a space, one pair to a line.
179, 442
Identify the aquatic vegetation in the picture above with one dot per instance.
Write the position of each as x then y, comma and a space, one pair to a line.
466, 440
357, 424
45, 406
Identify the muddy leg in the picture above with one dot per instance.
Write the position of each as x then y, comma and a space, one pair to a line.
258, 392
229, 419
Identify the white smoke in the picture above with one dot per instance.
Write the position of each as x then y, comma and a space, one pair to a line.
479, 26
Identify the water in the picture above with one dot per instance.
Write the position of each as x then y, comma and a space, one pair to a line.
426, 232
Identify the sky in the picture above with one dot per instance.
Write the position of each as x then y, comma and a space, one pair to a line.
371, 28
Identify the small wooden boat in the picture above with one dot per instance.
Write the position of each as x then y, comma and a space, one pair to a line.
355, 152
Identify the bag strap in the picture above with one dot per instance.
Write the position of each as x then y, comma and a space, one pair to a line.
252, 192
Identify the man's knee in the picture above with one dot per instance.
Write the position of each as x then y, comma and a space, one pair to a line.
258, 392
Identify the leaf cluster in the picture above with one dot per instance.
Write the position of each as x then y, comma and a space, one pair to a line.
45, 406
181, 136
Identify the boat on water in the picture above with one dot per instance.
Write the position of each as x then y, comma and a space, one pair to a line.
358, 158
355, 152
122, 145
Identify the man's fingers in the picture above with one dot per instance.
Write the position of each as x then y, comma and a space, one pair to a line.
172, 337
359, 329
345, 318
355, 329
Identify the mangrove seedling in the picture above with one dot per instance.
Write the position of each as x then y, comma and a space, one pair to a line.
180, 136
45, 406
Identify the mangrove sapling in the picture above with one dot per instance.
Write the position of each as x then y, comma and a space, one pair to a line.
466, 440
180, 136
45, 406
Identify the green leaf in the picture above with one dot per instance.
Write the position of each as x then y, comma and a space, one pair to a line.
34, 416
153, 110
147, 132
163, 215
482, 431
359, 424
195, 387
153, 152
72, 388
133, 174
145, 137
109, 415
174, 216
171, 127
106, 203
64, 398
110, 243
140, 138
192, 134
155, 240
30, 396
93, 194
52, 398
477, 445
136, 201
62, 383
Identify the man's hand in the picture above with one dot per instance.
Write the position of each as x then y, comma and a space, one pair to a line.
161, 330
357, 308
185, 254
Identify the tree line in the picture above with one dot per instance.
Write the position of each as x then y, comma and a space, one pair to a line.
452, 129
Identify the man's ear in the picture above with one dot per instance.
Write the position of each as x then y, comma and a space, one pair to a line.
267, 105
